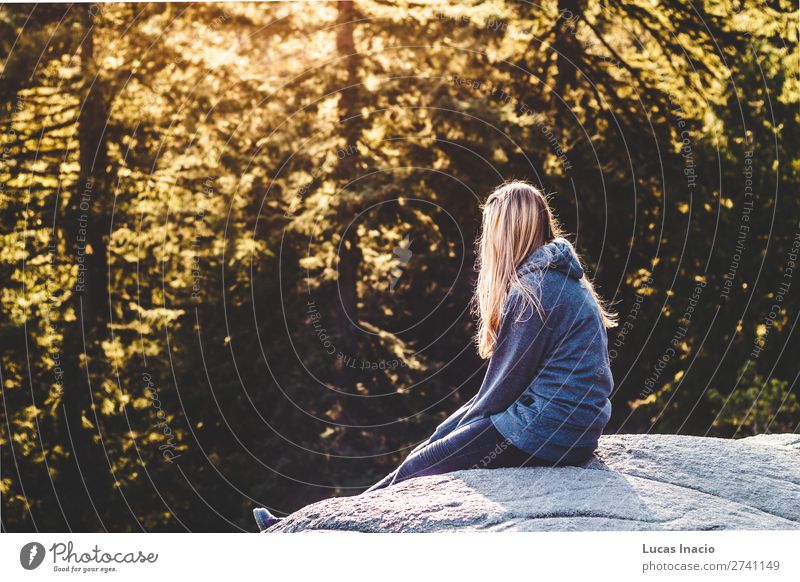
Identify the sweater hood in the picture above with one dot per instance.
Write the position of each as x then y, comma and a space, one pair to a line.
558, 254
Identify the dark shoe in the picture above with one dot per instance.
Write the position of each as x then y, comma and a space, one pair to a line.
264, 518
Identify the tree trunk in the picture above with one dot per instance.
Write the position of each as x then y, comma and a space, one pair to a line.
349, 255
567, 47
87, 484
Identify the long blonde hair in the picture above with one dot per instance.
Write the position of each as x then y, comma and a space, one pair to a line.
517, 220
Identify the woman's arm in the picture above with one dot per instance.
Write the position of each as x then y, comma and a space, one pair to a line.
451, 422
522, 341
521, 345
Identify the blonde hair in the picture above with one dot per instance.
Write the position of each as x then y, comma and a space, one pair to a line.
517, 220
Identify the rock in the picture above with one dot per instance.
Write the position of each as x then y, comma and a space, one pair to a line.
636, 482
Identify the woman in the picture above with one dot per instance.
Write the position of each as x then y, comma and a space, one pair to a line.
544, 399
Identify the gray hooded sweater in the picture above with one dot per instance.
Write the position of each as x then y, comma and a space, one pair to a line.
548, 381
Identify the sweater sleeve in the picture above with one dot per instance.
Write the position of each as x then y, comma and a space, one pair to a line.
521, 346
452, 421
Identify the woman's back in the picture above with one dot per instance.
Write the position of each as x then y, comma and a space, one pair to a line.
548, 380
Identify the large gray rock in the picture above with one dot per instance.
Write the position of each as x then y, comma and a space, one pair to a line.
637, 482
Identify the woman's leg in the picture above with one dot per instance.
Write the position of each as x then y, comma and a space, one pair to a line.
383, 482
477, 445
390, 477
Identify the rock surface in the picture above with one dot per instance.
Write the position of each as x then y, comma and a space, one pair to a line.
636, 482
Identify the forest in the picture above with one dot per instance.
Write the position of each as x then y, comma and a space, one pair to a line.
237, 239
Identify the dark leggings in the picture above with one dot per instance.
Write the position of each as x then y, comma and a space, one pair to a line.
477, 445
